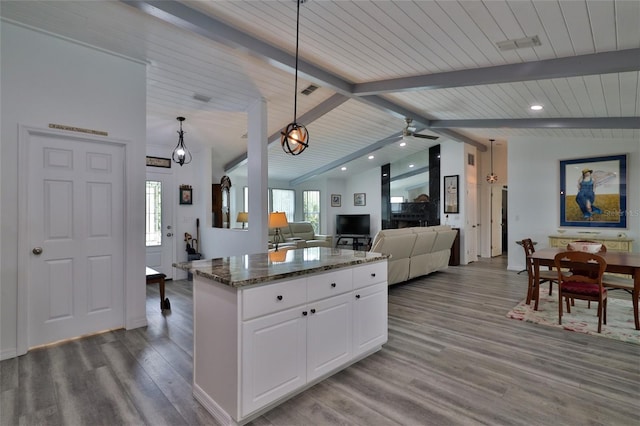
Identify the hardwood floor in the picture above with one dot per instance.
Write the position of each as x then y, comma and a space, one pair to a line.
453, 358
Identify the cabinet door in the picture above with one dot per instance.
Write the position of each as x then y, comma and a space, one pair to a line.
369, 317
329, 342
274, 359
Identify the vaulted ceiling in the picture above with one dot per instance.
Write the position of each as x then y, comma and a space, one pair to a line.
375, 63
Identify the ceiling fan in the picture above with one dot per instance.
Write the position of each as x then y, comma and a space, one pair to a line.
409, 130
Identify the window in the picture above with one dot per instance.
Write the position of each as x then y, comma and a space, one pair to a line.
245, 199
284, 200
153, 215
311, 209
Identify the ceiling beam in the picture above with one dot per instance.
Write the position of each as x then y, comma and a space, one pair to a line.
182, 16
353, 156
574, 66
310, 116
189, 19
399, 111
540, 123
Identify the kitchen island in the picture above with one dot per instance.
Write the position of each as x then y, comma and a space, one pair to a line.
269, 325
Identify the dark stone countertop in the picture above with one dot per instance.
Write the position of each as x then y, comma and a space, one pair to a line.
250, 269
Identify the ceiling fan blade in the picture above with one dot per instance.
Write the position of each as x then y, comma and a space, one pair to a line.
433, 138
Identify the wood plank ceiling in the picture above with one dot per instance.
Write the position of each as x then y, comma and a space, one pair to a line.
375, 62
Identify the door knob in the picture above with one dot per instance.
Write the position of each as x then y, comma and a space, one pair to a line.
37, 250
169, 234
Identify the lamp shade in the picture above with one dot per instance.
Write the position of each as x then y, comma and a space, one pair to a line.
278, 256
242, 217
277, 220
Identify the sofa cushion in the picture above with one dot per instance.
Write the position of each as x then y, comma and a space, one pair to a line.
302, 230
444, 240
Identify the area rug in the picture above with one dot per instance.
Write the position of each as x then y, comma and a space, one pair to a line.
619, 325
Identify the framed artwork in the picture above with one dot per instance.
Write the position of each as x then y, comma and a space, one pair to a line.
186, 194
451, 197
593, 192
336, 200
359, 199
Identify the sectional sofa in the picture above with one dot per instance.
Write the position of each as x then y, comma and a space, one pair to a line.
415, 251
302, 235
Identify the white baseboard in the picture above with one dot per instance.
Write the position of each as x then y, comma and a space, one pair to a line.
212, 407
8, 353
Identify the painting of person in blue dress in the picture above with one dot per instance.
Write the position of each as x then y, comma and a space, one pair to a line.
586, 195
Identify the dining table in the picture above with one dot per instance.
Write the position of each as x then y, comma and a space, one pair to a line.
618, 262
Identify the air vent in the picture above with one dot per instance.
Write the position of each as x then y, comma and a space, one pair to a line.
519, 43
309, 89
201, 98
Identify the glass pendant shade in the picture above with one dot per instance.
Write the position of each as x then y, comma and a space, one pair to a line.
181, 154
294, 139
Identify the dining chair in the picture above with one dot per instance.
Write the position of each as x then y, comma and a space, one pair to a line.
546, 275
585, 281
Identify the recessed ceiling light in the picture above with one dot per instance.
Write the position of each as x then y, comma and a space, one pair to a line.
371, 157
410, 166
403, 143
536, 107
343, 168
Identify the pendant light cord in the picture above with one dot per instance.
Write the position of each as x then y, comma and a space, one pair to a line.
492, 156
295, 95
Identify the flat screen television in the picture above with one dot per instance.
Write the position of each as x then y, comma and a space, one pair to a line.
353, 224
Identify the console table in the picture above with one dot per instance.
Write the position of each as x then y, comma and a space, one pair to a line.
267, 327
612, 243
355, 243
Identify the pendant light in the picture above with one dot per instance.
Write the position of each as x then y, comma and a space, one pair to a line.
492, 177
181, 154
295, 138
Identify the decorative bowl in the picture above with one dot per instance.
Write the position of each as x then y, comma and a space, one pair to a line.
561, 231
592, 248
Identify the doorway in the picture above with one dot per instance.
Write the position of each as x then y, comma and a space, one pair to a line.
505, 228
159, 228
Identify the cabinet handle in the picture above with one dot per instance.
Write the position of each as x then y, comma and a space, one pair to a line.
357, 296
279, 297
333, 285
373, 275
304, 313
313, 311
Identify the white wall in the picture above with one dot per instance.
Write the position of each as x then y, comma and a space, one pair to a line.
45, 80
218, 242
534, 182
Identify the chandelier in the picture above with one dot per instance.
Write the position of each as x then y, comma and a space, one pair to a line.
181, 154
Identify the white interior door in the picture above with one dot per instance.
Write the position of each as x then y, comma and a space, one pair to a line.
75, 213
159, 223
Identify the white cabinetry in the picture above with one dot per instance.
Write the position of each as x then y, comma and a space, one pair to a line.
289, 335
370, 301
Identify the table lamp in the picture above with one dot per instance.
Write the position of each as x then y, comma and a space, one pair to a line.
243, 217
277, 220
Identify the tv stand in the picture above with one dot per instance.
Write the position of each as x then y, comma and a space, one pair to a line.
358, 242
